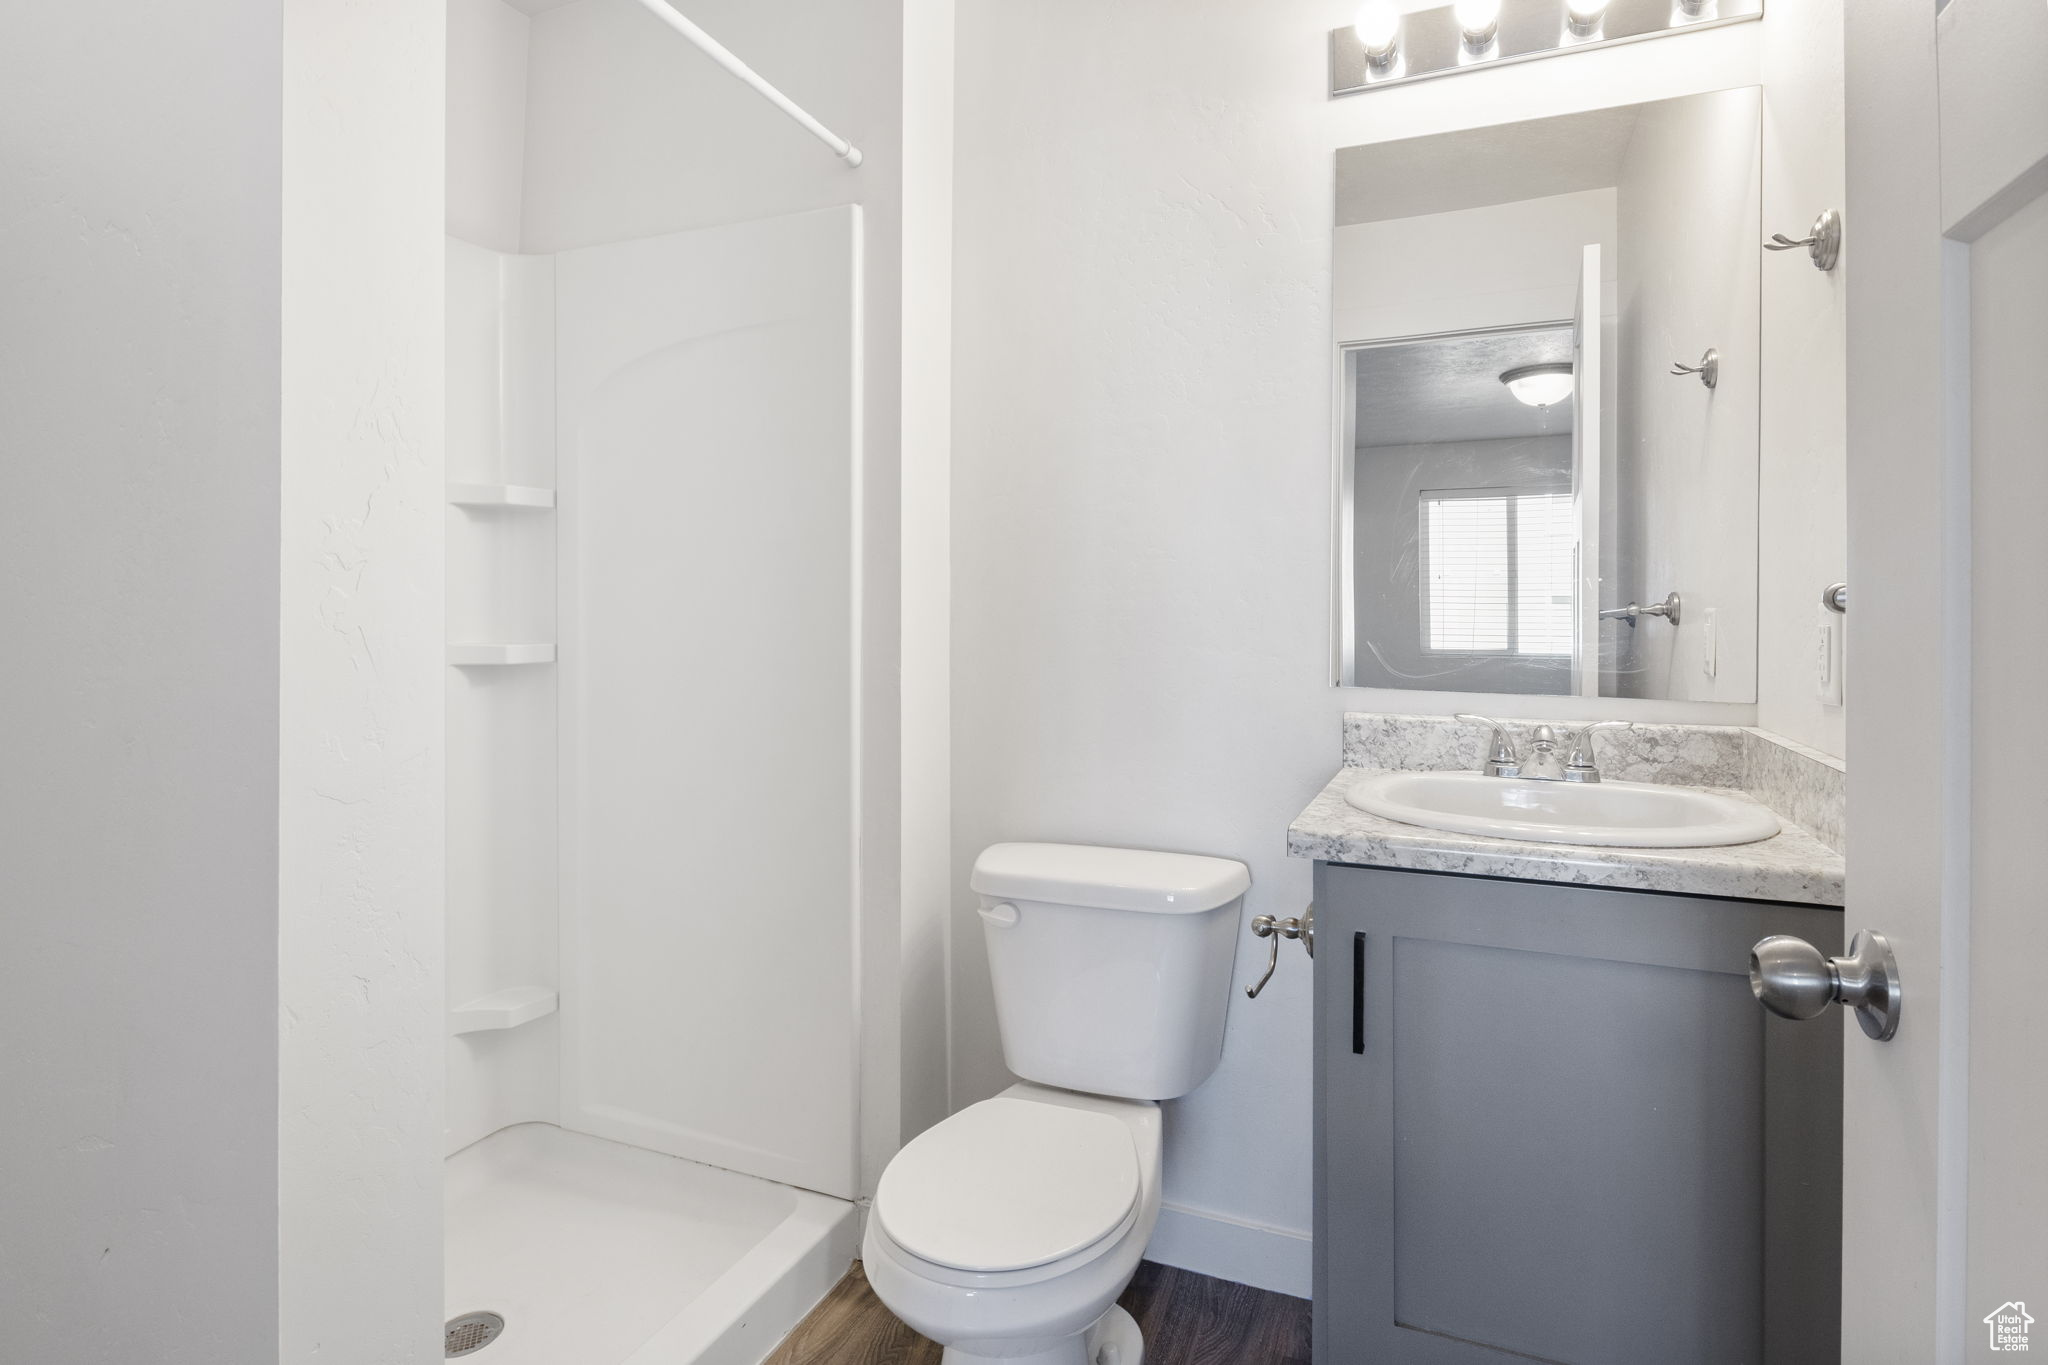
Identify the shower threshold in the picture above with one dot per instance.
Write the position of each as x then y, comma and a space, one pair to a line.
596, 1252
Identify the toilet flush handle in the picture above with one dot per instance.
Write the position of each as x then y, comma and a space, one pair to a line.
1266, 927
1001, 915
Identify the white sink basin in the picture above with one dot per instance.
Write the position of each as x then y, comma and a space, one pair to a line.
1604, 814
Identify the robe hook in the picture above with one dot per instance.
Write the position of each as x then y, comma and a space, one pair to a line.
1709, 368
1823, 242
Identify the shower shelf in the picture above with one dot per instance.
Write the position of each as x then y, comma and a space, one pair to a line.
502, 1010
500, 495
489, 656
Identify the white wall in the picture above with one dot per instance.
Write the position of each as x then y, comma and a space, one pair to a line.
359, 809
927, 564
1685, 469
1142, 482
1803, 495
1494, 266
487, 44
138, 740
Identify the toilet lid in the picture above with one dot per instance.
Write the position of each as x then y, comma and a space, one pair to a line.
1008, 1184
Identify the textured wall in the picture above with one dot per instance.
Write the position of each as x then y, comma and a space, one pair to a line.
359, 807
138, 736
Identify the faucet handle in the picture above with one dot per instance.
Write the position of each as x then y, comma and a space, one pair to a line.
1501, 758
1580, 763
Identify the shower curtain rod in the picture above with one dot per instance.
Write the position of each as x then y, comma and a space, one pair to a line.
718, 52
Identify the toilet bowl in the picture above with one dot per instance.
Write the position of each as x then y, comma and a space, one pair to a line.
1006, 1232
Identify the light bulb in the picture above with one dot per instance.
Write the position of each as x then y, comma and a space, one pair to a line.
1584, 15
1479, 20
1379, 29
1539, 386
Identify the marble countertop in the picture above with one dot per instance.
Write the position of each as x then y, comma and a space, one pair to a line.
1792, 866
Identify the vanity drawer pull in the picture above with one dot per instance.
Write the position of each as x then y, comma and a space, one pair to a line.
1358, 993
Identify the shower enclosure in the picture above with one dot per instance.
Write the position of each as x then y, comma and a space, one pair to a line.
673, 988
652, 612
653, 703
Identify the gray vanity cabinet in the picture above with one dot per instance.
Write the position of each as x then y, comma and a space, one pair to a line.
1552, 1124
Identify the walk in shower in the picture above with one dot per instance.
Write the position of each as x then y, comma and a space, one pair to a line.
653, 610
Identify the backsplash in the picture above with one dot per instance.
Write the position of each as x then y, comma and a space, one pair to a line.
1803, 785
1800, 784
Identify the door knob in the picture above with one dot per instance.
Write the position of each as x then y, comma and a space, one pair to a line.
1792, 978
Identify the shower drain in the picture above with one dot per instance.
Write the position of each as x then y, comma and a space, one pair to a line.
472, 1332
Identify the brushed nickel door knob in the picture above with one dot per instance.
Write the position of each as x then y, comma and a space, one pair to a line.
1795, 980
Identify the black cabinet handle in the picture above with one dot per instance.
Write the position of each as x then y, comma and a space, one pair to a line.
1358, 993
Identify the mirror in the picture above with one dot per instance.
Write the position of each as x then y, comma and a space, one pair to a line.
1546, 339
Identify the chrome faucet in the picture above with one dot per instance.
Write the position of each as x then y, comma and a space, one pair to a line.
1551, 757
1545, 760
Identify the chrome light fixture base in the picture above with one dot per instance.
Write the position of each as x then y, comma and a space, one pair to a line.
1432, 43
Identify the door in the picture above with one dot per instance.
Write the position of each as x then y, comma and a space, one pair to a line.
1586, 419
1946, 249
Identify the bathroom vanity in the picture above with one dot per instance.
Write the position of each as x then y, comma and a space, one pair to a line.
1551, 1121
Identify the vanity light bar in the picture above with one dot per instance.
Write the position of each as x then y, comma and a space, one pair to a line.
1387, 47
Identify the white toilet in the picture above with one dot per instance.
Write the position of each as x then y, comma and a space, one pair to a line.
1007, 1232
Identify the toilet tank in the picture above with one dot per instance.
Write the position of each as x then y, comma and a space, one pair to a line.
1111, 965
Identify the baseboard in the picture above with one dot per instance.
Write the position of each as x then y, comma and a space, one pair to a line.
1216, 1244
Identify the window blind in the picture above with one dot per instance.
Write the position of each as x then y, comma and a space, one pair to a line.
1498, 568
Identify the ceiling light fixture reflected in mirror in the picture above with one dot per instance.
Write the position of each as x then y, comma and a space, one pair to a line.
1539, 386
1379, 30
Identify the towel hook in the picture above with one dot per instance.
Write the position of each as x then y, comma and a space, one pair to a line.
1709, 368
1823, 241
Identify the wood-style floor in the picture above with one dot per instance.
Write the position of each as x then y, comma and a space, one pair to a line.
1188, 1319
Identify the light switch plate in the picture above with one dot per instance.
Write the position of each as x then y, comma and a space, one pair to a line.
1828, 657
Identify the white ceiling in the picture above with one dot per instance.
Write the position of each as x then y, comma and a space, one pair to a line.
1480, 166
537, 6
1449, 389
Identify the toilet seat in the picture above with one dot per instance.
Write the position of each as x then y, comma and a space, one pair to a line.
1008, 1185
